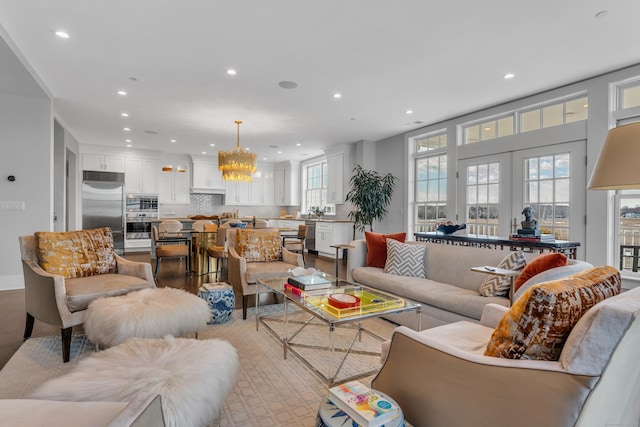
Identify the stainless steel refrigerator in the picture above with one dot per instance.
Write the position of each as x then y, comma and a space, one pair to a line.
103, 203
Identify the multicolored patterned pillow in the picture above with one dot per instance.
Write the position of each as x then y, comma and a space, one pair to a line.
259, 245
539, 322
497, 286
76, 253
404, 259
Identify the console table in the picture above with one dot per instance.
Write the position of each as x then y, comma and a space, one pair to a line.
495, 242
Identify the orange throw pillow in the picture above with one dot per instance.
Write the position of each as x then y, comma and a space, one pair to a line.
377, 247
539, 264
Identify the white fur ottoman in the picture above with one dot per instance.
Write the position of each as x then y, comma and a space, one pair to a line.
148, 313
192, 377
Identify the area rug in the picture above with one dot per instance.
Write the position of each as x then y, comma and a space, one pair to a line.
269, 390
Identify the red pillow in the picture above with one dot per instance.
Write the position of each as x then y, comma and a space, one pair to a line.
377, 247
539, 264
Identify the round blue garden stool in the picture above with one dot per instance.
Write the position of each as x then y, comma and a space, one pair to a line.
221, 300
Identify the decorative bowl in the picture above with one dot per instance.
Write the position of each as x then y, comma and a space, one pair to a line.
449, 229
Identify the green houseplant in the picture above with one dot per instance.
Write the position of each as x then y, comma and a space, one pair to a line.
370, 195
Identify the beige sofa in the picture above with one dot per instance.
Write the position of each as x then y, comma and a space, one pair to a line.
450, 291
85, 267
441, 377
142, 411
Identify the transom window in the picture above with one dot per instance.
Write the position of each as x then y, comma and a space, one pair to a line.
629, 96
527, 119
431, 142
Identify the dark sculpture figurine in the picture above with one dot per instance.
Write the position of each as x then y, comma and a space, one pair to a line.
530, 224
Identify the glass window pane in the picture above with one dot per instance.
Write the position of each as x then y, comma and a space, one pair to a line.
443, 140
631, 97
421, 169
562, 190
494, 172
420, 211
421, 191
546, 167
552, 115
546, 191
494, 196
472, 196
443, 190
433, 167
443, 166
562, 166
472, 175
483, 174
533, 168
530, 120
432, 191
472, 134
576, 110
482, 193
532, 192
505, 126
488, 130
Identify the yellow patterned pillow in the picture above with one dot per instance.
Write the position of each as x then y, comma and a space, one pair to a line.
258, 245
76, 253
538, 324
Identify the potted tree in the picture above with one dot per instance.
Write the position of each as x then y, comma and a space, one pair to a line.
370, 195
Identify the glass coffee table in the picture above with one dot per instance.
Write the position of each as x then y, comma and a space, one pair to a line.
373, 303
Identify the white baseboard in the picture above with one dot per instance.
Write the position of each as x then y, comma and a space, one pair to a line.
9, 283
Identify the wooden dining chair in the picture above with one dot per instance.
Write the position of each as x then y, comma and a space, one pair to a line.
296, 243
218, 250
170, 249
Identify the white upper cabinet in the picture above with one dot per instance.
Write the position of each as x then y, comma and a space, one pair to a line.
287, 184
206, 176
174, 184
262, 187
102, 162
339, 166
141, 176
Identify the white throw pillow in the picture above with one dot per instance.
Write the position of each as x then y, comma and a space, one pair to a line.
497, 286
405, 260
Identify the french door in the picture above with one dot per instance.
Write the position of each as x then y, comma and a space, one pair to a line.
552, 179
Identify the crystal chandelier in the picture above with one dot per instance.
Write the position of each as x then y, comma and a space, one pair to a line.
237, 164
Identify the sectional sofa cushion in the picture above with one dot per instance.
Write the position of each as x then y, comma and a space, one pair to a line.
404, 260
79, 253
377, 247
497, 286
538, 324
539, 264
259, 245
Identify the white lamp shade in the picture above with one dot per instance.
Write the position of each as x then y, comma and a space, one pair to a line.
618, 167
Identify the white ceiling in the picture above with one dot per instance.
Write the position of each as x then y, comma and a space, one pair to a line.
437, 58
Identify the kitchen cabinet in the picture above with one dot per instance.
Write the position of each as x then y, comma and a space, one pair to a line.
287, 184
206, 176
102, 162
332, 233
237, 193
174, 185
262, 188
335, 178
141, 176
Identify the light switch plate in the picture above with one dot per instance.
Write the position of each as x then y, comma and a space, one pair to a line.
9, 206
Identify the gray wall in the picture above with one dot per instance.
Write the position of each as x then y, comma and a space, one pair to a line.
391, 158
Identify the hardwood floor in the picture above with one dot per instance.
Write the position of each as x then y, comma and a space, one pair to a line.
171, 274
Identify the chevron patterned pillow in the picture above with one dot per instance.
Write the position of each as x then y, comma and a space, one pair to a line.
496, 286
405, 260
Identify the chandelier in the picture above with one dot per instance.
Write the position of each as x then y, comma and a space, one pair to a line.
237, 164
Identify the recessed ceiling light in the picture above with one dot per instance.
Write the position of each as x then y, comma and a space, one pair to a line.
279, 152
298, 144
126, 129
127, 140
124, 114
173, 140
62, 34
212, 145
264, 158
337, 95
122, 92
508, 76
231, 72
247, 149
204, 152
287, 84
409, 111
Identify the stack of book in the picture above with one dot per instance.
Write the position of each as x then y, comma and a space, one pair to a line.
532, 238
299, 284
366, 407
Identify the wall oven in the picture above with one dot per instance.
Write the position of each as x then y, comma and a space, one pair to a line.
141, 210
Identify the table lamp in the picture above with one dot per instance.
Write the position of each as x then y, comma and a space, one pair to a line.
618, 166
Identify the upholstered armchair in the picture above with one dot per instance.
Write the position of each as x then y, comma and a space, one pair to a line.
442, 377
65, 271
257, 254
